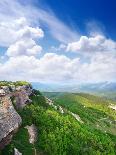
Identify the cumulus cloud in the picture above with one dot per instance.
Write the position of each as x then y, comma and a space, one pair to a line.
19, 34
49, 67
100, 68
14, 30
52, 67
98, 43
24, 47
20, 37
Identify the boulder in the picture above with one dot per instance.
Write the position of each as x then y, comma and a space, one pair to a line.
9, 121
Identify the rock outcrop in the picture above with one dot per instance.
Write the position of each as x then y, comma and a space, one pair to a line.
16, 152
32, 130
22, 96
10, 120
112, 106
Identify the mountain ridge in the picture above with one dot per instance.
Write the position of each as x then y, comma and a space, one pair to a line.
95, 87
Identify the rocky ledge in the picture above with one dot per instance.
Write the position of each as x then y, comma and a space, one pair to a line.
10, 120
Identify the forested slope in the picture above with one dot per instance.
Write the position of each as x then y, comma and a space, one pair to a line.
60, 133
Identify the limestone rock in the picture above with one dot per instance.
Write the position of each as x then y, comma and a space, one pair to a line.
6, 89
77, 117
22, 97
16, 152
61, 110
32, 130
9, 120
49, 101
2, 92
112, 106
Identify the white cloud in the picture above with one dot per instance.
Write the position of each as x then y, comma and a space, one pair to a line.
49, 67
19, 34
100, 68
59, 68
57, 28
31, 32
98, 43
14, 30
10, 10
20, 37
24, 47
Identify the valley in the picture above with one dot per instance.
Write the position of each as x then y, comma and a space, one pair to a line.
57, 123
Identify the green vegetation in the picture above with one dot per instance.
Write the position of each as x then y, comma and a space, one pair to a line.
21, 142
21, 83
17, 83
93, 110
108, 95
61, 134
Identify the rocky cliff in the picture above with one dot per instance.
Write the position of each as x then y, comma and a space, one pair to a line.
9, 118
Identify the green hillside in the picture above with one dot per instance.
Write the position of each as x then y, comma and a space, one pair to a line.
107, 94
60, 133
93, 110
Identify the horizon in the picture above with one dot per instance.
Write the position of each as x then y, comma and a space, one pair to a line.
73, 42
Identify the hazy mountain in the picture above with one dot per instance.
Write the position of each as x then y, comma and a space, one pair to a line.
89, 87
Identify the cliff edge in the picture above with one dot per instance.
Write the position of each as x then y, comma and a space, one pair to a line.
10, 120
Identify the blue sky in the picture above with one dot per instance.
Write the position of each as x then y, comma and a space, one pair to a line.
73, 41
77, 13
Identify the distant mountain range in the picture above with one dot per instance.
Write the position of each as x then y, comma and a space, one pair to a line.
89, 87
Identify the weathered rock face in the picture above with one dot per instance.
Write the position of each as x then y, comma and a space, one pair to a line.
16, 152
2, 92
21, 95
32, 130
9, 118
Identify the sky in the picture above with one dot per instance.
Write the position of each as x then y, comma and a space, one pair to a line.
53, 41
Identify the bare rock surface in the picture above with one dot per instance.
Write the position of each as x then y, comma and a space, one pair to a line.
16, 152
113, 107
49, 101
22, 98
9, 119
32, 130
77, 117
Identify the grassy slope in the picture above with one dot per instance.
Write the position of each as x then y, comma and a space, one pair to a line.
93, 110
61, 134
